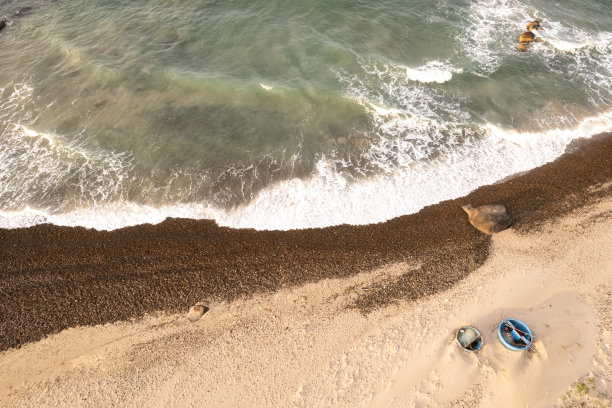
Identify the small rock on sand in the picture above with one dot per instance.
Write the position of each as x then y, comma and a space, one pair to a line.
3, 22
196, 311
488, 218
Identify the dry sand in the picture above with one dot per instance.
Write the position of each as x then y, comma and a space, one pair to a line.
303, 347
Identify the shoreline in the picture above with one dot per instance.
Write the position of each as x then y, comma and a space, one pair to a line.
54, 278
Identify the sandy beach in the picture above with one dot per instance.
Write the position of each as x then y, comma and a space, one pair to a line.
348, 316
303, 347
283, 203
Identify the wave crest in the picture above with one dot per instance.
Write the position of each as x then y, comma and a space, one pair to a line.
433, 71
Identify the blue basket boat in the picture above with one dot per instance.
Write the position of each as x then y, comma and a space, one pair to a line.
469, 338
515, 334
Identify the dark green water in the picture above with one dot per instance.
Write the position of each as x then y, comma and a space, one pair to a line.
285, 114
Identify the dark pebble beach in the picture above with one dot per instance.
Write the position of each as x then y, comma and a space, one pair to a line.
53, 278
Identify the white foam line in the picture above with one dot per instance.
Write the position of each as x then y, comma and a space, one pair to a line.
109, 216
330, 198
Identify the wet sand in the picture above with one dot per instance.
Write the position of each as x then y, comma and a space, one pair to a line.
53, 278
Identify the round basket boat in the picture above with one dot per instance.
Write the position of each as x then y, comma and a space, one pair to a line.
515, 334
469, 338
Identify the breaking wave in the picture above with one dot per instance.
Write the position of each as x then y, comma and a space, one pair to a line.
331, 197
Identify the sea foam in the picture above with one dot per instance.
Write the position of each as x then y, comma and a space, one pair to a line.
434, 71
329, 197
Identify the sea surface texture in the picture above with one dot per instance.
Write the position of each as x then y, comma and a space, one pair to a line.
274, 114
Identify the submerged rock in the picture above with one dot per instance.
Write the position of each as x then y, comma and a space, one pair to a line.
526, 37
22, 11
522, 47
196, 311
488, 218
361, 143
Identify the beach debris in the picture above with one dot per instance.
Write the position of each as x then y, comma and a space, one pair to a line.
488, 218
196, 311
3, 22
469, 338
515, 335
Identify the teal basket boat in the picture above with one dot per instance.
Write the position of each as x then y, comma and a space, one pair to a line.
515, 334
469, 338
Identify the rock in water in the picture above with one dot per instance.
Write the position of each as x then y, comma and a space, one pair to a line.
526, 37
488, 218
538, 39
522, 47
534, 25
196, 311
3, 22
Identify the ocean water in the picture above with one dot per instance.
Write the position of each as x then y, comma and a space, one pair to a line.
275, 114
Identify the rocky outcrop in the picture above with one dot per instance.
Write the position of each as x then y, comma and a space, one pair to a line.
488, 218
534, 25
526, 37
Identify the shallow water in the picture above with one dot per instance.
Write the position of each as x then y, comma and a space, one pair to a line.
279, 114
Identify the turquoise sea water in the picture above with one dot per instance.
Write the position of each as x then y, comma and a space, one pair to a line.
285, 114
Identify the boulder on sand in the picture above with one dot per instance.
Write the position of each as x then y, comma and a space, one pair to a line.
488, 218
196, 311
